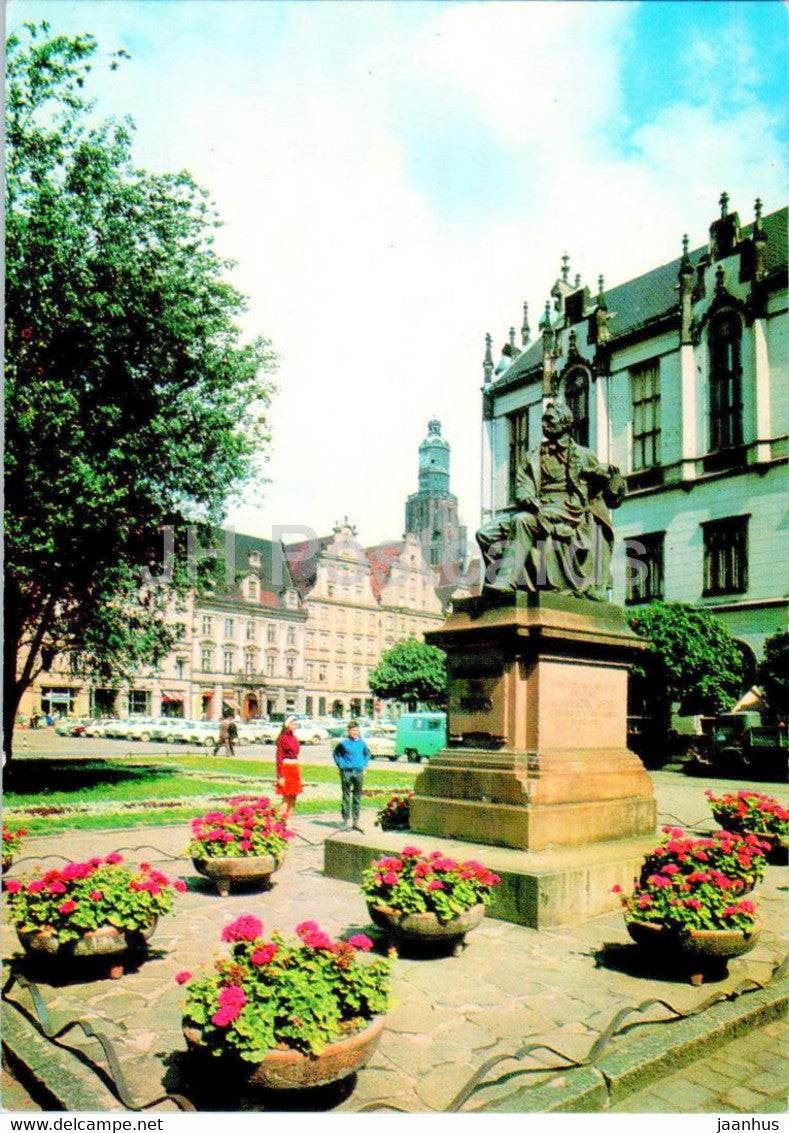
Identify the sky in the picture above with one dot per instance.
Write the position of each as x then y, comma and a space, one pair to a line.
396, 179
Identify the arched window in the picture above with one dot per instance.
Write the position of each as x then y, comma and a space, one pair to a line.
576, 395
725, 339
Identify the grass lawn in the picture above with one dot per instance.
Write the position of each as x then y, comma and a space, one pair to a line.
48, 796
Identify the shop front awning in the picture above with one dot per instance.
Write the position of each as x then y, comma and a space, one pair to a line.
172, 697
231, 703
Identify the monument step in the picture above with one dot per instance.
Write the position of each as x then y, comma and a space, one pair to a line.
538, 889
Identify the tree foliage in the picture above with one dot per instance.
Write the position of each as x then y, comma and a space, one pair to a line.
693, 658
131, 400
413, 672
774, 674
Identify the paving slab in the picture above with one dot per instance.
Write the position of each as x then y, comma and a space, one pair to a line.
512, 985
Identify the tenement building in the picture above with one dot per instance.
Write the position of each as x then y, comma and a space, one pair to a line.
359, 602
679, 377
241, 648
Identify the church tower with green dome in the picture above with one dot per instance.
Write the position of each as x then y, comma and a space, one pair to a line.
431, 513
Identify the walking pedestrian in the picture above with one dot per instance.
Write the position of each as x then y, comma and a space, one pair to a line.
289, 783
227, 734
352, 756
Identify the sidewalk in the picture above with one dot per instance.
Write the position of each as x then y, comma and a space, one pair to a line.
511, 987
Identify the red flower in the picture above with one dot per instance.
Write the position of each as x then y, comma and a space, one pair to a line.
617, 889
113, 859
57, 887
390, 878
183, 977
360, 941
13, 886
67, 907
306, 926
264, 955
96, 894
180, 885
245, 928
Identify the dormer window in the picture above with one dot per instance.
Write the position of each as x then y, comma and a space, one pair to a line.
253, 589
291, 599
254, 559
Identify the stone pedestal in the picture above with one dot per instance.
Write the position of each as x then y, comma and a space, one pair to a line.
537, 726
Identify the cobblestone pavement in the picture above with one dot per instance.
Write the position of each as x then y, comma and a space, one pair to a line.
747, 1075
511, 985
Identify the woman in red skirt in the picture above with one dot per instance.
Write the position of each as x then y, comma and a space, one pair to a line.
289, 783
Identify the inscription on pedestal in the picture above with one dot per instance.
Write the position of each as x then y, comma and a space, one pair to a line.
583, 706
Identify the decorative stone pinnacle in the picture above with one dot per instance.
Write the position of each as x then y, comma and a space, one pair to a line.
488, 347
724, 203
757, 208
685, 245
525, 326
545, 321
600, 284
512, 336
565, 267
572, 342
577, 279
720, 278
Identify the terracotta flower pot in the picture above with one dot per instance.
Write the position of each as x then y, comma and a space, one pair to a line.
700, 951
224, 871
106, 941
292, 1070
425, 927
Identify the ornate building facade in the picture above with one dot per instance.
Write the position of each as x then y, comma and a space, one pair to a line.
681, 378
358, 602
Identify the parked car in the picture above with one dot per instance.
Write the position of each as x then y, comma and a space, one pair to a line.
737, 743
95, 729
420, 734
309, 733
381, 747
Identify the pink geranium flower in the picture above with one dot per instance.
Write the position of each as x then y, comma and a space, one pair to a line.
245, 928
360, 941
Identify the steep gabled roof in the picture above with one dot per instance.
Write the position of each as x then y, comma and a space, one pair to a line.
649, 296
381, 559
303, 561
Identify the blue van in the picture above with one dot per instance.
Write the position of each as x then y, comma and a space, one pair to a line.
420, 734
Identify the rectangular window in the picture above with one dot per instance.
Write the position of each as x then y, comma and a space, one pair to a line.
322, 671
206, 626
645, 393
271, 665
725, 335
228, 627
249, 664
290, 667
139, 702
310, 672
271, 635
207, 660
250, 631
180, 667
726, 555
644, 568
254, 589
518, 446
291, 635
227, 661
310, 638
341, 673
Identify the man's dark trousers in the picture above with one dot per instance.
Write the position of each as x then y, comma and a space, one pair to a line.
351, 795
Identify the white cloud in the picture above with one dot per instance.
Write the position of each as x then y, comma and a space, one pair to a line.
304, 122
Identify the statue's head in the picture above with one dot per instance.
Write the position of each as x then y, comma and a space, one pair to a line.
557, 419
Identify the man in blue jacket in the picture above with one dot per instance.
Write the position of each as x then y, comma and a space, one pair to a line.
351, 756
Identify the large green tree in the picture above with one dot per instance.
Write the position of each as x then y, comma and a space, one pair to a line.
693, 660
773, 674
413, 672
132, 401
